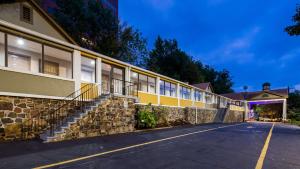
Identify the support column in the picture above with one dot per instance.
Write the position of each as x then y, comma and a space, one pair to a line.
178, 95
99, 74
246, 110
158, 90
284, 110
77, 69
127, 80
193, 96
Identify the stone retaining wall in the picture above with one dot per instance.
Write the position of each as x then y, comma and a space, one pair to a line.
15, 110
171, 116
115, 115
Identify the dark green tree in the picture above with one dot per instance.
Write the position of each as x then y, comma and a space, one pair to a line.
294, 105
95, 27
168, 59
295, 29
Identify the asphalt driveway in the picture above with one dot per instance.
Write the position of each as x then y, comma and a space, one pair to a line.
232, 146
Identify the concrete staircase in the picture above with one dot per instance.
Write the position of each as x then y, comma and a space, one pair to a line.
49, 136
220, 116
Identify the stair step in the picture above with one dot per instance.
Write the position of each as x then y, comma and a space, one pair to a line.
77, 115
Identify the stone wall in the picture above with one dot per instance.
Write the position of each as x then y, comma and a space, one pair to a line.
171, 116
234, 116
15, 111
115, 115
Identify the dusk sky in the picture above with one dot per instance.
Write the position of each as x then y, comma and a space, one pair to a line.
245, 37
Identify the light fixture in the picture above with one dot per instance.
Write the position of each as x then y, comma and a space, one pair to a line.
92, 62
134, 74
20, 42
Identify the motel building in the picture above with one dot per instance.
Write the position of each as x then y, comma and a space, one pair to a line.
54, 89
264, 105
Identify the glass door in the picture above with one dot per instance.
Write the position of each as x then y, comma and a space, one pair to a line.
113, 79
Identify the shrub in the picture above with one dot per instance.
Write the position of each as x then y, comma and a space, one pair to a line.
146, 119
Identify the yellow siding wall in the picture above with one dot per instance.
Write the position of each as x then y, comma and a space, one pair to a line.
91, 93
169, 101
147, 98
236, 108
186, 103
199, 104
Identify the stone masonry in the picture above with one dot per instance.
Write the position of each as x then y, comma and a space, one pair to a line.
171, 116
115, 115
15, 111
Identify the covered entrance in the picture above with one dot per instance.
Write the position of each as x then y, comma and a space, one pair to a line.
113, 79
264, 105
267, 110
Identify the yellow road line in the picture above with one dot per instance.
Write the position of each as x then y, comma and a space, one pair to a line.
260, 161
130, 147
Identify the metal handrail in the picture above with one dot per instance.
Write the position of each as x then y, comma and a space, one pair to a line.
58, 114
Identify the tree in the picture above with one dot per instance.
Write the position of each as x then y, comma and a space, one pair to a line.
168, 59
295, 29
294, 105
95, 27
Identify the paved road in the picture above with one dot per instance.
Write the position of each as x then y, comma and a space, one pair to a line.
229, 146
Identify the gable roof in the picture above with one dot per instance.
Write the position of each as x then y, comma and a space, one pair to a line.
203, 86
250, 95
48, 18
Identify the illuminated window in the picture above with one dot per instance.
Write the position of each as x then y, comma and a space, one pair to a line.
88, 69
61, 62
23, 54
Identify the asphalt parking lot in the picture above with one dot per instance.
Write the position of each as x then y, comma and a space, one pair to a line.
229, 146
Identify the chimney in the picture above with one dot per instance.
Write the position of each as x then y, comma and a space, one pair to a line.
266, 86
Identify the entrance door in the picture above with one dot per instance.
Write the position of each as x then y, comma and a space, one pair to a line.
112, 79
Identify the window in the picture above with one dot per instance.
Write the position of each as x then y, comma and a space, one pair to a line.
26, 13
134, 78
88, 69
57, 62
162, 87
185, 93
173, 90
208, 98
2, 49
24, 55
151, 84
145, 83
198, 95
167, 88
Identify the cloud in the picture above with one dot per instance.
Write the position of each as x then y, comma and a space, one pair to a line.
287, 57
236, 50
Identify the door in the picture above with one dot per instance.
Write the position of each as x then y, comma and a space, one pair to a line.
112, 79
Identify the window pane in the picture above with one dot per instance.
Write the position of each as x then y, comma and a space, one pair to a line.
151, 84
134, 78
2, 50
162, 87
57, 62
105, 77
24, 54
143, 82
88, 69
173, 90
167, 89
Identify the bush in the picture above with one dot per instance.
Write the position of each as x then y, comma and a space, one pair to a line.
146, 119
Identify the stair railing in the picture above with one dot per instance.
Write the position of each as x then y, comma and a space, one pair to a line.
40, 121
